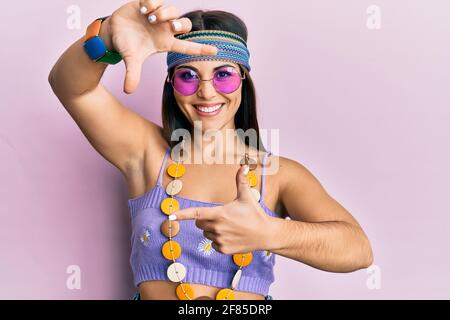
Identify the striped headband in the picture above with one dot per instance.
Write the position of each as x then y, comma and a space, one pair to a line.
231, 47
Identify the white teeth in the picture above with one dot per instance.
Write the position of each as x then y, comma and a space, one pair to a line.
209, 109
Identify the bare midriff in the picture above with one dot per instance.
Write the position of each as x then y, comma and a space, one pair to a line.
165, 290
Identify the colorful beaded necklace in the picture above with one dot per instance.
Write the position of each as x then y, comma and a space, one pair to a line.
171, 250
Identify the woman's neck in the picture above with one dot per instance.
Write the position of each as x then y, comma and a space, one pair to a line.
217, 147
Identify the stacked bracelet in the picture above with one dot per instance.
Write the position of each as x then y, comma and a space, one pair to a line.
96, 48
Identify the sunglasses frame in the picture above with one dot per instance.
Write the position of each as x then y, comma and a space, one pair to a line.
198, 86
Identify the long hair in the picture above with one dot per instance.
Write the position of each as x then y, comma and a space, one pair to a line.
246, 117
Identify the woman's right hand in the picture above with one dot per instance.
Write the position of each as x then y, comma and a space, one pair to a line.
135, 38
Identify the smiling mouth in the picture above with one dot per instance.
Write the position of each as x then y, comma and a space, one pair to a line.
213, 110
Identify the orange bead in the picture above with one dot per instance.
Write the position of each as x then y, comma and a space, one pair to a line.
171, 250
242, 259
185, 291
225, 294
251, 176
176, 170
169, 205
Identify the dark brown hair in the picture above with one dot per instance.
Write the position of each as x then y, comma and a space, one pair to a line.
245, 118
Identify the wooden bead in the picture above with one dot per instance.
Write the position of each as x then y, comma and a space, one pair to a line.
204, 298
170, 228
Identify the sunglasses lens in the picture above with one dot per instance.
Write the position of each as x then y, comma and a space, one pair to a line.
185, 81
227, 80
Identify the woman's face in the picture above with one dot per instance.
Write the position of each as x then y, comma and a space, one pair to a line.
206, 94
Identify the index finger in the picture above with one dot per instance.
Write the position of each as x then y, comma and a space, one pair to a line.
198, 213
193, 48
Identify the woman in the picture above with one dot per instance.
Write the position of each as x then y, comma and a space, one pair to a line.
200, 230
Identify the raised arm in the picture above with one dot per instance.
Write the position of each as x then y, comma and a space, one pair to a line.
120, 135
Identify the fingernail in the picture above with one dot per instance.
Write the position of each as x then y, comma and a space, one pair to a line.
152, 18
176, 25
143, 10
172, 217
246, 168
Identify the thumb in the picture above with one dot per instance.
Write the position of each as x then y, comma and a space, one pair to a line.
243, 188
133, 67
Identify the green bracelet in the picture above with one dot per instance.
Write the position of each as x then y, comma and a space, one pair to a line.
110, 57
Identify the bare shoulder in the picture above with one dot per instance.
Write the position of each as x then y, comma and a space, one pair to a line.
285, 171
294, 183
278, 172
292, 172
304, 198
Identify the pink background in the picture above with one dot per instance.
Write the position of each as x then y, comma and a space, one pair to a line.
367, 111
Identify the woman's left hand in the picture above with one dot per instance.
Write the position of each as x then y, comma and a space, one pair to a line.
240, 226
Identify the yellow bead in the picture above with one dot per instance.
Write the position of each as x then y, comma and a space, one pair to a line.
176, 170
171, 250
225, 294
169, 205
251, 176
185, 291
242, 259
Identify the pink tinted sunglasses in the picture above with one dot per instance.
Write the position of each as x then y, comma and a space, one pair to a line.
186, 81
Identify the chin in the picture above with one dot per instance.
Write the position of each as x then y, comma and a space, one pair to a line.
210, 125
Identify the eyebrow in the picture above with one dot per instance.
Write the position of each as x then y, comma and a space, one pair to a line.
195, 69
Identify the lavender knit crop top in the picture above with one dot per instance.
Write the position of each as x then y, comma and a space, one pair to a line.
203, 264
